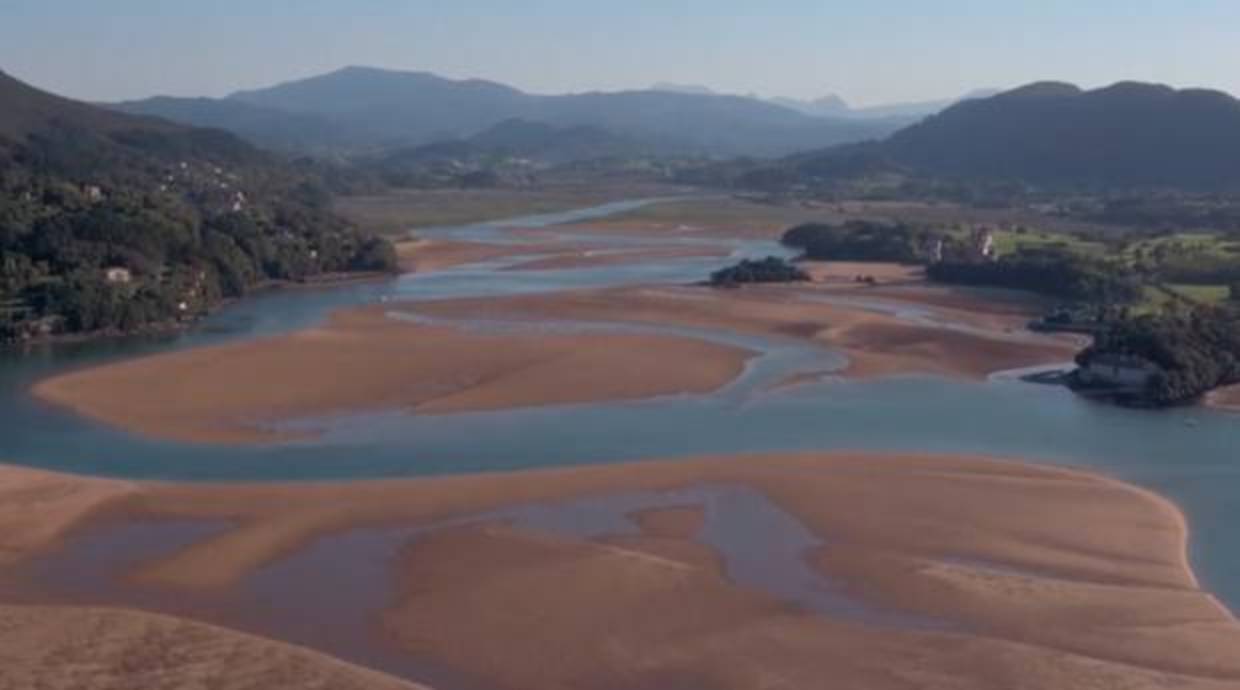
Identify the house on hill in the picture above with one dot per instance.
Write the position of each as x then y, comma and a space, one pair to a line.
982, 244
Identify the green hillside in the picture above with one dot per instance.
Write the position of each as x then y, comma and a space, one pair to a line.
115, 223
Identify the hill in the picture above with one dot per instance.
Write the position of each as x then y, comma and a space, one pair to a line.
275, 129
1058, 135
360, 109
511, 151
111, 222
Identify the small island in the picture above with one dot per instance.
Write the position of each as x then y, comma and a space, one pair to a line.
772, 269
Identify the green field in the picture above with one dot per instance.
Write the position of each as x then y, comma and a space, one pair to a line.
1203, 294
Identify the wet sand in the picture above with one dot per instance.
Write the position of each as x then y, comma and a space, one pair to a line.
971, 339
423, 256
235, 393
1226, 398
595, 257
239, 393
1034, 577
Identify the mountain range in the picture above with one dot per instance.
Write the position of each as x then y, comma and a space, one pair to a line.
359, 109
834, 105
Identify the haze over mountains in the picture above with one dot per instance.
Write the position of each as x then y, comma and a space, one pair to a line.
1047, 134
359, 109
834, 106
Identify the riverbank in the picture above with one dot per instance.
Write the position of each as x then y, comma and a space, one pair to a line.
362, 360
953, 571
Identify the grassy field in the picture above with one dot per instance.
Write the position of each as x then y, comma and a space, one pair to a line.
1203, 294
1010, 241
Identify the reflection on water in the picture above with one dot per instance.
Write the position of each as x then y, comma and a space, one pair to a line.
1188, 455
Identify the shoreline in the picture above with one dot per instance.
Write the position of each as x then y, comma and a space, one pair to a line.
1133, 559
181, 326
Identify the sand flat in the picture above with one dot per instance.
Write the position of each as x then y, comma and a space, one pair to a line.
597, 257
235, 393
968, 342
71, 648
37, 508
1045, 578
227, 393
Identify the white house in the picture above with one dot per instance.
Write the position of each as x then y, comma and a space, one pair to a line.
117, 274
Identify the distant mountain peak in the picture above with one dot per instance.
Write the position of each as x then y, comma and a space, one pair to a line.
1044, 89
692, 89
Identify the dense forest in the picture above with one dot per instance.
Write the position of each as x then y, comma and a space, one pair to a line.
1051, 272
112, 223
1197, 351
861, 240
772, 269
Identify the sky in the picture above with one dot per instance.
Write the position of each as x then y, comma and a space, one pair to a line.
868, 51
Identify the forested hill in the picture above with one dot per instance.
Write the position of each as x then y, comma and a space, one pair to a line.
1057, 135
113, 222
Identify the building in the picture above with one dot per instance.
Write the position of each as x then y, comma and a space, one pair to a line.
983, 244
1118, 371
117, 275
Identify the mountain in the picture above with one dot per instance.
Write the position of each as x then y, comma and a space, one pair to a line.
1056, 134
38, 128
273, 128
112, 222
835, 106
551, 144
511, 151
362, 109
672, 87
830, 105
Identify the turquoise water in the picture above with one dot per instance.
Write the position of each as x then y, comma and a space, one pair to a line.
1188, 455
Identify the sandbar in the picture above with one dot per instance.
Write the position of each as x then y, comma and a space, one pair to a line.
362, 360
971, 339
1042, 578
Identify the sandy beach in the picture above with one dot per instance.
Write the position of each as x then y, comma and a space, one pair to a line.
227, 394
1033, 577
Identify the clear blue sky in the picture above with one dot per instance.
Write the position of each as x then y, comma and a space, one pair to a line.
869, 51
